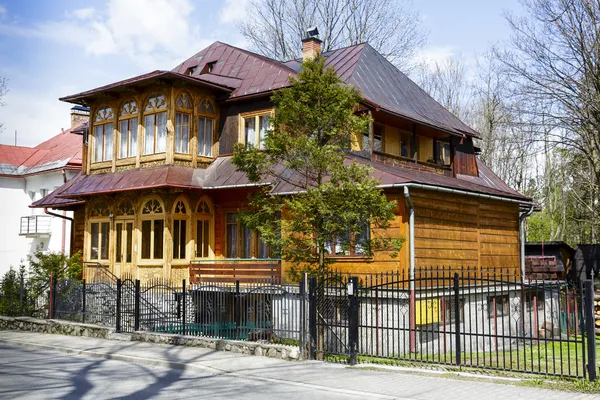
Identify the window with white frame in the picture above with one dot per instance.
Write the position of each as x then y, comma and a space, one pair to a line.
255, 129
155, 125
128, 129
182, 124
206, 127
103, 134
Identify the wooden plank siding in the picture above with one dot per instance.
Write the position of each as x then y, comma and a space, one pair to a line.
453, 230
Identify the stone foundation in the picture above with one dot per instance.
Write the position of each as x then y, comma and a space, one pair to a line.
282, 352
54, 326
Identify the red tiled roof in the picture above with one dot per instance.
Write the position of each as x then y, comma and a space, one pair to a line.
59, 151
15, 155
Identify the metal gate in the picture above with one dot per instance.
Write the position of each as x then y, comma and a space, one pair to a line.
328, 317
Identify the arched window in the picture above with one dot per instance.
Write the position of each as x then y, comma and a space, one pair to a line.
180, 237
153, 226
203, 223
155, 125
103, 134
99, 230
206, 124
182, 124
128, 128
124, 231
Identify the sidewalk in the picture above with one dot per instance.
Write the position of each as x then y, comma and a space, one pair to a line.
327, 378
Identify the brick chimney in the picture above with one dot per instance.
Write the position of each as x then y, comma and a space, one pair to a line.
79, 115
311, 45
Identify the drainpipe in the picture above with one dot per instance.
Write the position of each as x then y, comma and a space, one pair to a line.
522, 219
411, 271
64, 222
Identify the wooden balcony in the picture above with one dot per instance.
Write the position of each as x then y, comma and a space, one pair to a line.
231, 270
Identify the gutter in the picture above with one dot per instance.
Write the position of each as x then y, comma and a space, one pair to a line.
455, 191
522, 219
57, 215
411, 273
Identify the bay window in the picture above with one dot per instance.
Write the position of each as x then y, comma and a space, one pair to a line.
128, 129
155, 125
103, 134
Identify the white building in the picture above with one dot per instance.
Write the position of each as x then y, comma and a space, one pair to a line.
27, 174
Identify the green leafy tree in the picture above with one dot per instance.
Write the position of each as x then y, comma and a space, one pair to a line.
57, 264
333, 196
10, 292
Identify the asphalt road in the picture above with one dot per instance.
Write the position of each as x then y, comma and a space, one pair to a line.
37, 374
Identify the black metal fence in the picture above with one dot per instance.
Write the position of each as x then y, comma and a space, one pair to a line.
467, 318
264, 309
475, 318
20, 296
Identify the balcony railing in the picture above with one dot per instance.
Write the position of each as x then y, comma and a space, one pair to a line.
35, 225
235, 270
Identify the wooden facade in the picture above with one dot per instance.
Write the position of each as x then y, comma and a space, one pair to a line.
478, 225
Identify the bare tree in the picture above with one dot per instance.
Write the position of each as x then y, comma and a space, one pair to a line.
553, 63
3, 91
274, 28
446, 82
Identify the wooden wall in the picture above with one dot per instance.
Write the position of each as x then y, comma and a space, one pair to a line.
77, 229
454, 230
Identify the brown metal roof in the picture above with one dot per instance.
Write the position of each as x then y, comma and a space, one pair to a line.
254, 72
222, 174
80, 97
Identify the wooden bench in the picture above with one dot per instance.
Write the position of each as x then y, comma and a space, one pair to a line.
230, 272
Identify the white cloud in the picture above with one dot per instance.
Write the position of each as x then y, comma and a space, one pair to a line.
234, 10
435, 54
34, 117
154, 33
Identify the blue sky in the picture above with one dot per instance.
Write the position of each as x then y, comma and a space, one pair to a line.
50, 49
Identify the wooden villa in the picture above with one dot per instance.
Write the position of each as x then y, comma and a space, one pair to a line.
158, 193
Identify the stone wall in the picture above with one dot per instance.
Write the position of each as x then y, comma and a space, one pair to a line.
54, 326
291, 353
282, 352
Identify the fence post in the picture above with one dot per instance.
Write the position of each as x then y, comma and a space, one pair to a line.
589, 329
52, 297
184, 305
302, 291
83, 293
353, 318
236, 310
22, 282
136, 307
118, 308
457, 318
312, 315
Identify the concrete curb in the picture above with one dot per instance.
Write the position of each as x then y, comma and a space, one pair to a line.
187, 366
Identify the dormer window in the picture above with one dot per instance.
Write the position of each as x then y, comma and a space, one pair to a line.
182, 124
128, 129
103, 134
208, 67
155, 125
206, 124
